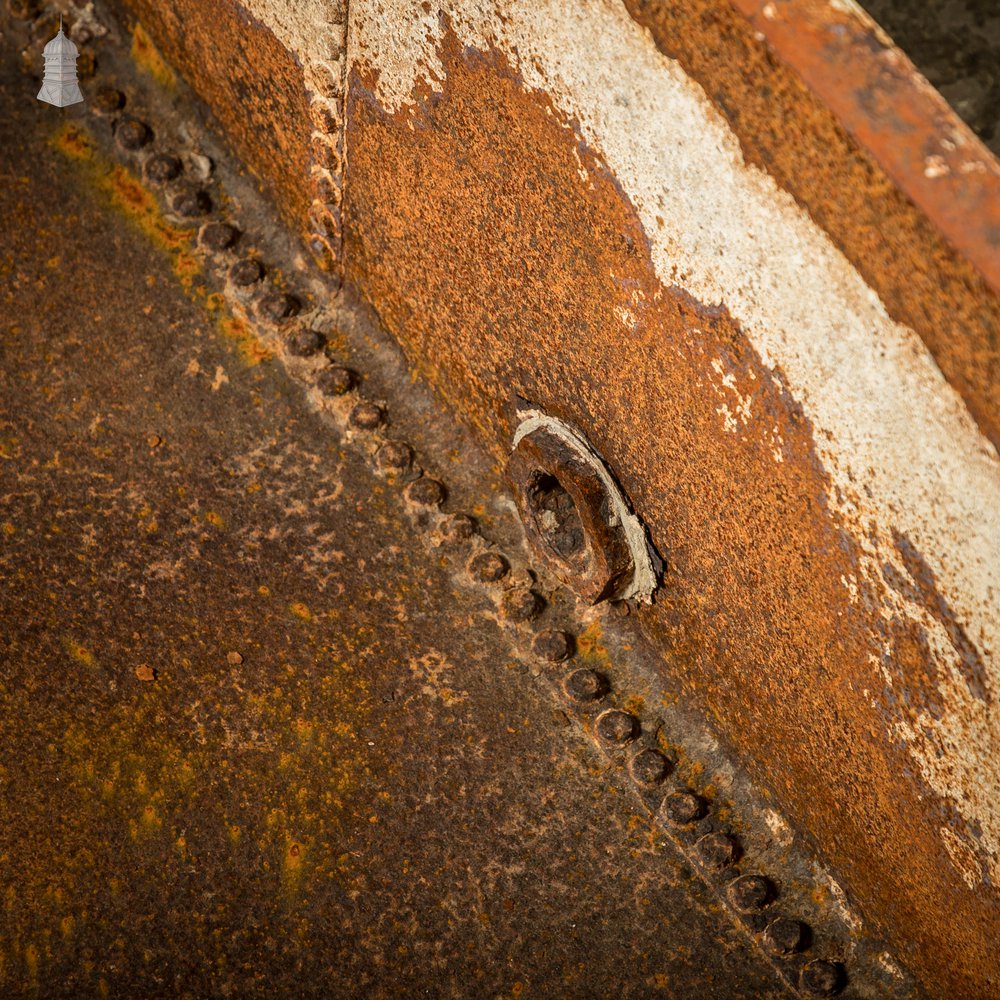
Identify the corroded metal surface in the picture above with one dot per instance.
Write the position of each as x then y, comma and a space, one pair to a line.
874, 90
835, 646
256, 741
787, 130
281, 113
253, 674
832, 169
486, 219
956, 46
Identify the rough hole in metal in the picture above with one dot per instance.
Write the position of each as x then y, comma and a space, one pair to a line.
575, 513
557, 518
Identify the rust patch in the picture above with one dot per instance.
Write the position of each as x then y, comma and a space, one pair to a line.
128, 195
148, 58
468, 227
786, 130
250, 81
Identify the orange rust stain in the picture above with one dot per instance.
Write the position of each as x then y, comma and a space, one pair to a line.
80, 653
74, 143
467, 227
292, 868
248, 344
128, 194
147, 57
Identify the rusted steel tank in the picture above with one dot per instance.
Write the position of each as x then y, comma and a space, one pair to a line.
752, 257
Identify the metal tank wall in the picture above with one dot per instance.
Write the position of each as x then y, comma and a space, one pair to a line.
667, 224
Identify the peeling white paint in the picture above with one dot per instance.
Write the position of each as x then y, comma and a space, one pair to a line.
312, 30
779, 827
897, 441
963, 857
849, 915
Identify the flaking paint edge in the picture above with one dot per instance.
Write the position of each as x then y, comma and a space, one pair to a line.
897, 440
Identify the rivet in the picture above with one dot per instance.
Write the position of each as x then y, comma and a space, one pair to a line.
163, 167
395, 456
191, 204
219, 235
617, 727
822, 978
682, 808
305, 343
277, 306
323, 250
521, 604
132, 134
785, 936
325, 188
458, 528
107, 101
325, 118
326, 156
366, 416
749, 893
335, 381
717, 850
425, 492
553, 645
585, 686
488, 567
246, 272
649, 767
324, 223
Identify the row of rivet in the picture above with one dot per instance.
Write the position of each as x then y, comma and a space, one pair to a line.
687, 816
681, 811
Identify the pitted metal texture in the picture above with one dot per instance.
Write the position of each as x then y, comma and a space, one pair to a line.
701, 844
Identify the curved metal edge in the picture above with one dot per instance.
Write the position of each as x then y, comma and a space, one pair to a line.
888, 107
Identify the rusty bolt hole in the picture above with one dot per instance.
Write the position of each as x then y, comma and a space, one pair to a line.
557, 519
574, 513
